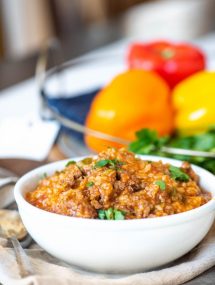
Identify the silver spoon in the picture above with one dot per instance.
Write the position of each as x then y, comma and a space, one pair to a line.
7, 181
25, 267
7, 177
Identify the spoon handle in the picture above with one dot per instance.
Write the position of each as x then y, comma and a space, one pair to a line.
7, 180
22, 258
25, 268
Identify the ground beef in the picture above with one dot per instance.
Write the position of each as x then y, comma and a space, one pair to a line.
117, 179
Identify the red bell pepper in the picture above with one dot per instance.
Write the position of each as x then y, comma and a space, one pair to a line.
173, 62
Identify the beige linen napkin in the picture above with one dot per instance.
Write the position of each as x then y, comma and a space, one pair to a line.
49, 270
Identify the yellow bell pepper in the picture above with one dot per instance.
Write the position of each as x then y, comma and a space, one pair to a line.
194, 102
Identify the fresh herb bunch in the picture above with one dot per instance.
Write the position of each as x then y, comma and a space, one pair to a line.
148, 142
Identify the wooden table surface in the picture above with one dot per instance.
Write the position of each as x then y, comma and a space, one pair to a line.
21, 166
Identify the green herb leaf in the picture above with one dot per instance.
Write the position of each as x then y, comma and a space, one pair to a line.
70, 162
90, 184
203, 142
209, 165
111, 214
161, 184
101, 214
114, 163
102, 163
177, 174
147, 142
119, 215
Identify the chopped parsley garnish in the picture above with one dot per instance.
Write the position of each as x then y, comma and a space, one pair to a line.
111, 214
177, 174
112, 163
70, 162
90, 184
161, 184
119, 215
101, 214
102, 163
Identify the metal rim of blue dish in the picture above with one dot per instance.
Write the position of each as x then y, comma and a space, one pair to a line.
50, 112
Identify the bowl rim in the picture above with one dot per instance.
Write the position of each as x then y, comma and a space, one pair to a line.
156, 222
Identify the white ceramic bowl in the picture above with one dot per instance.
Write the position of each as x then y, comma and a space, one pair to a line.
115, 246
